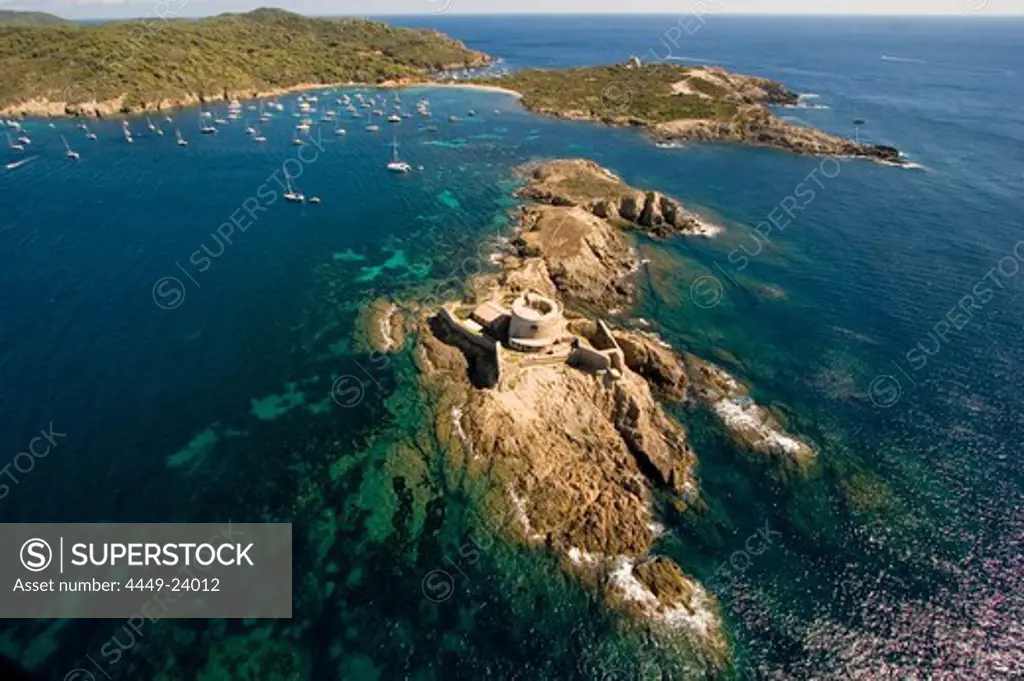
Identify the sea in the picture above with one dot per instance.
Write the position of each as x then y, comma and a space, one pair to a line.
186, 374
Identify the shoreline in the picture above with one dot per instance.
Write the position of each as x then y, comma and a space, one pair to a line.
112, 108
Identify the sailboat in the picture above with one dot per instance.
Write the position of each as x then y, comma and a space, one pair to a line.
17, 164
204, 124
291, 194
397, 166
264, 117
257, 136
24, 139
12, 146
89, 135
150, 124
127, 132
68, 151
181, 140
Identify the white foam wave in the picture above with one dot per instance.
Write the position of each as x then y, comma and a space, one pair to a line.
692, 59
905, 60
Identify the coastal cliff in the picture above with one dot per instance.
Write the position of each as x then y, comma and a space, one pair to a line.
571, 437
681, 103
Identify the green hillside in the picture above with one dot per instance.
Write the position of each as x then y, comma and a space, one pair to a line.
14, 18
152, 60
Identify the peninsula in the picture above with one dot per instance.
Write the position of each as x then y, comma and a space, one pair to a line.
158, 63
680, 103
65, 69
558, 407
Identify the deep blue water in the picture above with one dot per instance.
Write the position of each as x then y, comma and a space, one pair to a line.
924, 584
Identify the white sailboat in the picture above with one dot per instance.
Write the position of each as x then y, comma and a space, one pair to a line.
12, 146
150, 124
257, 136
291, 194
89, 135
127, 132
204, 125
180, 140
397, 166
68, 151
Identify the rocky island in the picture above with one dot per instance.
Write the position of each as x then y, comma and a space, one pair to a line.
163, 62
681, 103
558, 408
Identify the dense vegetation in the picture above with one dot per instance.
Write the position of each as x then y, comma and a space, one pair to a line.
153, 59
14, 18
643, 95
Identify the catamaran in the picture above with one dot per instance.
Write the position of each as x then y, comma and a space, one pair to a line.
68, 151
397, 166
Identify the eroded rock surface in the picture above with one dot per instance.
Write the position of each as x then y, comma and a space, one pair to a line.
578, 456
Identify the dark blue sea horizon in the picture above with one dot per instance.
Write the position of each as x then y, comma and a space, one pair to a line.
884, 322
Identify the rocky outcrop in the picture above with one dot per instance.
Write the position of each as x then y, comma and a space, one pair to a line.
582, 183
656, 362
754, 428
582, 461
757, 125
584, 258
577, 458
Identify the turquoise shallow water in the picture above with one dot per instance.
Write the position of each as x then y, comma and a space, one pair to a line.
899, 557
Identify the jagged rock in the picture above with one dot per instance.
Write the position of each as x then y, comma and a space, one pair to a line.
659, 365
584, 184
577, 458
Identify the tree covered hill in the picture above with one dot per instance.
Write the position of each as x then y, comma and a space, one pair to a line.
143, 62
